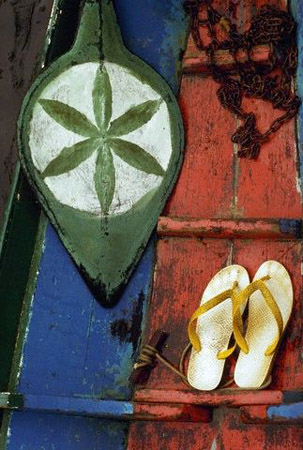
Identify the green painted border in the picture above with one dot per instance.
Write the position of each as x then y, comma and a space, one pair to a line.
22, 213
28, 298
9, 205
23, 324
120, 240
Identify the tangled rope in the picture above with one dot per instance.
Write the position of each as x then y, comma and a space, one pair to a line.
149, 355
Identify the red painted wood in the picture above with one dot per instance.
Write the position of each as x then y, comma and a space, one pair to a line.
204, 188
223, 210
213, 183
180, 278
170, 436
219, 397
198, 62
183, 270
226, 432
222, 228
233, 435
254, 414
287, 372
169, 412
258, 415
269, 187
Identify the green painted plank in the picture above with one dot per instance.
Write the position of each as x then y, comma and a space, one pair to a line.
18, 239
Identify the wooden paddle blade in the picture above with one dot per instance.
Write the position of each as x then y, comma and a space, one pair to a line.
101, 141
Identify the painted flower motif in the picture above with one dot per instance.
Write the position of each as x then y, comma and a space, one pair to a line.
103, 138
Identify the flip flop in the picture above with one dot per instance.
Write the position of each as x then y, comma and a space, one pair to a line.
210, 338
270, 305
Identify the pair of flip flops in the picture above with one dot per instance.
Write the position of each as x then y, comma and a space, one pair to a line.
269, 298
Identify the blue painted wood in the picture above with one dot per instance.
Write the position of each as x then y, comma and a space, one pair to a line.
73, 346
79, 406
40, 431
156, 31
297, 11
291, 412
292, 227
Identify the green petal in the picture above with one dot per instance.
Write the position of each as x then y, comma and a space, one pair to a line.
105, 178
135, 156
69, 118
71, 157
134, 118
102, 98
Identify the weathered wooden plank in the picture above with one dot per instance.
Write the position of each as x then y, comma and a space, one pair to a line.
32, 430
114, 409
226, 432
287, 371
283, 414
297, 10
171, 413
220, 397
170, 436
231, 229
22, 30
265, 188
205, 186
68, 331
16, 255
270, 187
181, 276
199, 62
193, 410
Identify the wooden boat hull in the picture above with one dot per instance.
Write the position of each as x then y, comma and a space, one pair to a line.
66, 384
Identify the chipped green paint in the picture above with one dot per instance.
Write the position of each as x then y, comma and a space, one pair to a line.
103, 155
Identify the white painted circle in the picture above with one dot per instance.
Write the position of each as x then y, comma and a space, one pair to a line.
47, 138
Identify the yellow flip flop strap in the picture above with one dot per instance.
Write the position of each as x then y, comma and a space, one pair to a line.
238, 328
257, 285
192, 334
237, 319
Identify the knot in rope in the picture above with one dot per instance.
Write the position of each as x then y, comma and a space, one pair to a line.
147, 357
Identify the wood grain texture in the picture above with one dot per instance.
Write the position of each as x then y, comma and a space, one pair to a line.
287, 372
218, 398
226, 432
22, 33
229, 229
206, 179
155, 32
185, 266
284, 414
215, 187
214, 182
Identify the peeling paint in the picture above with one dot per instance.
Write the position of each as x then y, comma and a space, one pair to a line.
214, 445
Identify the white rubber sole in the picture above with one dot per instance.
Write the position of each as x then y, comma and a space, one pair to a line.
214, 329
253, 369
